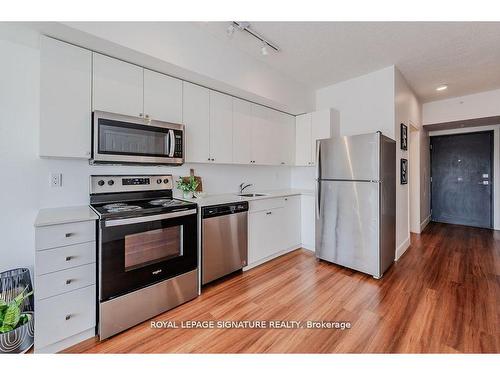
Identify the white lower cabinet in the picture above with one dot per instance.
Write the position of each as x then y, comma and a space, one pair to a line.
273, 228
65, 285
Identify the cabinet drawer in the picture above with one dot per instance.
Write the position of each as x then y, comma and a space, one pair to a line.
64, 234
60, 282
64, 316
266, 204
65, 257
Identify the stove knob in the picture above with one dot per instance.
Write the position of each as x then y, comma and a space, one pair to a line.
100, 182
158, 181
111, 182
165, 181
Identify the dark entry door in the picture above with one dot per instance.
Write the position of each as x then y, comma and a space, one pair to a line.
462, 179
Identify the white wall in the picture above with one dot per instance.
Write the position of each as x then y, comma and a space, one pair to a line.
483, 104
365, 103
25, 185
408, 111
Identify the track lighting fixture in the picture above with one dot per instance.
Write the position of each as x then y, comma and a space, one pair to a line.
245, 26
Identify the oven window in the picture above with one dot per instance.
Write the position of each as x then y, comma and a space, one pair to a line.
130, 139
146, 248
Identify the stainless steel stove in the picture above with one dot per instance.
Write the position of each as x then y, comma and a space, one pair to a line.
147, 249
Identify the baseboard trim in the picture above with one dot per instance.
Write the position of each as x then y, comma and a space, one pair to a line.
424, 223
307, 247
400, 250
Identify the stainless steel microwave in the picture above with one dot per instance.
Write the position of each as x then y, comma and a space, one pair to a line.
120, 139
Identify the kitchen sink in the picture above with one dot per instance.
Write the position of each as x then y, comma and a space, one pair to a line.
252, 195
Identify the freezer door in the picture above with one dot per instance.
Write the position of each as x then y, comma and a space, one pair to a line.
347, 224
349, 158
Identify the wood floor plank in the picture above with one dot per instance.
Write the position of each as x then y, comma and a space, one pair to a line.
442, 296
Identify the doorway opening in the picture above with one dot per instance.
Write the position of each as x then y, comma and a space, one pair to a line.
462, 179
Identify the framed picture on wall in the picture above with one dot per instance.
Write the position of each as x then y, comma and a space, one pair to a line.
404, 137
404, 171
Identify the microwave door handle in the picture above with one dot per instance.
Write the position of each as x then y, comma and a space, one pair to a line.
145, 219
167, 144
172, 143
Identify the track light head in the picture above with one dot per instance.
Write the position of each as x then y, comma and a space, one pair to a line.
264, 50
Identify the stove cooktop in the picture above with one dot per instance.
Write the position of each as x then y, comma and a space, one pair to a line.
141, 207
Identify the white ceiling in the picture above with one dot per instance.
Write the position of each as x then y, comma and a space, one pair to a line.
464, 55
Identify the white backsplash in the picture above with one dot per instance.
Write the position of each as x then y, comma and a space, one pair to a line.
216, 178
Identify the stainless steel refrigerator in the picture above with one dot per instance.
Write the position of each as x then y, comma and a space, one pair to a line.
356, 202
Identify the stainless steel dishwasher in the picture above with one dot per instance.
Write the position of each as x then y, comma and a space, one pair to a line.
224, 240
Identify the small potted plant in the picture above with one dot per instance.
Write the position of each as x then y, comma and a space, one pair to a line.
16, 327
188, 186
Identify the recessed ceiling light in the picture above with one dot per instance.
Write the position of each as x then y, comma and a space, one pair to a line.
441, 88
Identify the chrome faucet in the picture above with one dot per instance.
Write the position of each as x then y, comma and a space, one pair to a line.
243, 187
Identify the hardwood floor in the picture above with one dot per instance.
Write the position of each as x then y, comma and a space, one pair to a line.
442, 296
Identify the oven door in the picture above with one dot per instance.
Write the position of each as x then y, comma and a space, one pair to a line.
125, 139
139, 251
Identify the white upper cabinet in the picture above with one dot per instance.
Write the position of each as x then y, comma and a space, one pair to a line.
242, 131
118, 86
322, 123
65, 100
264, 132
162, 97
221, 128
285, 138
303, 143
311, 127
196, 118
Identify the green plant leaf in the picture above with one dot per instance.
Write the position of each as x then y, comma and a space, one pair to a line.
12, 314
3, 304
24, 318
5, 328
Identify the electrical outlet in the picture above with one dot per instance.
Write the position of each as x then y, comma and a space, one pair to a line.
56, 179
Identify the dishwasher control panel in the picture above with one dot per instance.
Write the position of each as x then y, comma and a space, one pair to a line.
224, 209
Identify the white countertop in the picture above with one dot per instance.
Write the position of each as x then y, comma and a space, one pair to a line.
214, 199
62, 215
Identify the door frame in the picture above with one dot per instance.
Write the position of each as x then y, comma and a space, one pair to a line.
494, 164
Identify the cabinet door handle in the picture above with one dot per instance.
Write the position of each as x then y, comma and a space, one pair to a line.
268, 213
69, 281
141, 114
69, 235
69, 258
67, 317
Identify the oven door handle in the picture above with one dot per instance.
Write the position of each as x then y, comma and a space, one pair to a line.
145, 219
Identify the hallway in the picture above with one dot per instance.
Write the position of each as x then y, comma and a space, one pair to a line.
443, 295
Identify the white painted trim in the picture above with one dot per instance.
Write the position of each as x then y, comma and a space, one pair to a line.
424, 223
67, 342
270, 257
496, 162
308, 247
402, 248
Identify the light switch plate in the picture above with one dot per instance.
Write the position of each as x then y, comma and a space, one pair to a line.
56, 180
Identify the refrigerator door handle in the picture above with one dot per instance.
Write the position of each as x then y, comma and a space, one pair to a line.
318, 177
318, 198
